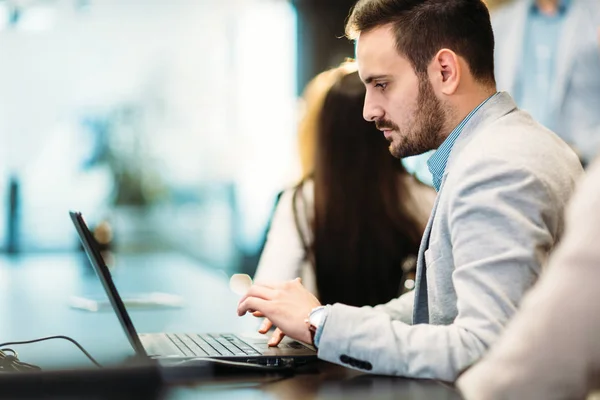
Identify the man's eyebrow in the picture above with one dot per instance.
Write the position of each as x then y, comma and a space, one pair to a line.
372, 78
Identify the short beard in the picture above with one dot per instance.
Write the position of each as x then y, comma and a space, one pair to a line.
429, 121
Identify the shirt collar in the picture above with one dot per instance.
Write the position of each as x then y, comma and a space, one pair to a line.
437, 162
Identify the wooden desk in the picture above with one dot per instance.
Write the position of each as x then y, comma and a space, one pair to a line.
34, 299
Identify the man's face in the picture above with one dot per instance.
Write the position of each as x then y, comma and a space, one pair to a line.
402, 104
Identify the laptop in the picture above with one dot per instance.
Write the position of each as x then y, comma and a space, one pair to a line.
222, 347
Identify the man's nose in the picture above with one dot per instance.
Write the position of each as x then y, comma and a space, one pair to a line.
371, 111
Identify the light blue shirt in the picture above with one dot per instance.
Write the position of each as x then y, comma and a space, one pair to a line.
537, 71
319, 331
437, 162
417, 166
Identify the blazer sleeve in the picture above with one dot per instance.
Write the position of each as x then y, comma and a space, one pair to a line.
551, 348
283, 254
500, 218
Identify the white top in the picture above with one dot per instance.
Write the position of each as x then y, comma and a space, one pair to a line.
283, 256
551, 349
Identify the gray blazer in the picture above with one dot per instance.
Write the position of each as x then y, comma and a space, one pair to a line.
550, 349
497, 215
575, 97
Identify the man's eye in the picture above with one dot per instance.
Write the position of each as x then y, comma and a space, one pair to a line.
381, 85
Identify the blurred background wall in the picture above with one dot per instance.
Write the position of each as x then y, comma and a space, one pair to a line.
171, 121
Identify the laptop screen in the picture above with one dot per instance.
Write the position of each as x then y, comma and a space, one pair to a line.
90, 247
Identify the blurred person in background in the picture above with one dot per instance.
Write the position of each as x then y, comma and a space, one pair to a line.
356, 217
547, 57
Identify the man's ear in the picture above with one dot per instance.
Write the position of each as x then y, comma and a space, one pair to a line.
445, 72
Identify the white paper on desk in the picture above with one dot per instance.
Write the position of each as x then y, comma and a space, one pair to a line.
146, 301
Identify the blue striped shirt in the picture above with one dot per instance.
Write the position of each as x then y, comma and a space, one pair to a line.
536, 77
437, 162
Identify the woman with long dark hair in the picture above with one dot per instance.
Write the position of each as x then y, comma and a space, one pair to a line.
357, 216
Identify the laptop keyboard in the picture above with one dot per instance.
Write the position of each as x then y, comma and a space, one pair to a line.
211, 345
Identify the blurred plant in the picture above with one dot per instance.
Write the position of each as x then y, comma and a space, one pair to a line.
119, 143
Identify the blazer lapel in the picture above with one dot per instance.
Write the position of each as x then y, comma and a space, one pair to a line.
421, 308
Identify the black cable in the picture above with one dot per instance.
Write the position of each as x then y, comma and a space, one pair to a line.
11, 363
11, 350
54, 337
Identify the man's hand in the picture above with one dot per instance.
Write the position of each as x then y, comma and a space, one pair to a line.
284, 304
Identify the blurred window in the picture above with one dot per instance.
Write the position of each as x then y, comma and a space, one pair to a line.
173, 119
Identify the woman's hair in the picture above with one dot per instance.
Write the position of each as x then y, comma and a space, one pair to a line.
312, 104
361, 230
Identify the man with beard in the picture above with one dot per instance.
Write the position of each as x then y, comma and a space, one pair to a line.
502, 182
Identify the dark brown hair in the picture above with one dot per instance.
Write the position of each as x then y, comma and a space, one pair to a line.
423, 27
362, 231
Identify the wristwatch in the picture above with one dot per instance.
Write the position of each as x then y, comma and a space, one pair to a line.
315, 321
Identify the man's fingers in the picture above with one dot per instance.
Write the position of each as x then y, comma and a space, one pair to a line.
267, 284
252, 304
265, 326
258, 314
262, 292
276, 338
277, 285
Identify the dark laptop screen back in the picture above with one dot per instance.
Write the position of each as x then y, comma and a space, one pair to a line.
89, 245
